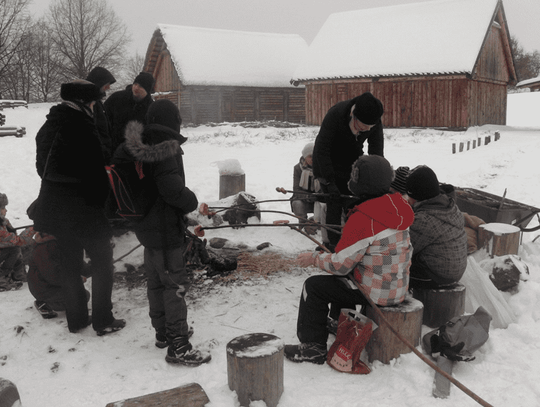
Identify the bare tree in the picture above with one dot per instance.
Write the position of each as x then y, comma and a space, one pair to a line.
527, 64
87, 33
14, 21
131, 68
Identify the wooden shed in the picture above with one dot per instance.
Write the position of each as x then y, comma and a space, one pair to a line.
227, 76
444, 63
533, 84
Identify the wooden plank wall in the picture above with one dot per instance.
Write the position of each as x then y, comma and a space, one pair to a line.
452, 102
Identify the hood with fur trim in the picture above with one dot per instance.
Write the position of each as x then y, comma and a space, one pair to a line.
151, 143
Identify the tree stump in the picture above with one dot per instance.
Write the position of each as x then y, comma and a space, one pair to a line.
9, 395
231, 184
441, 304
189, 395
405, 318
255, 368
499, 238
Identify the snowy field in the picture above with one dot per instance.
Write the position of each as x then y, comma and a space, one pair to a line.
52, 367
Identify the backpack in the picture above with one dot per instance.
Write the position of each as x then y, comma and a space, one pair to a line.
128, 185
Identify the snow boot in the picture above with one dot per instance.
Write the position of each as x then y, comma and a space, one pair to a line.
44, 310
180, 351
306, 352
116, 325
7, 284
161, 338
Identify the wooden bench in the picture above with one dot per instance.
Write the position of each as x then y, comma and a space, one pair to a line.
441, 304
189, 395
405, 318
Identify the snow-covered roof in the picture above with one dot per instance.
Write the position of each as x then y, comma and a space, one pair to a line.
529, 82
204, 56
436, 37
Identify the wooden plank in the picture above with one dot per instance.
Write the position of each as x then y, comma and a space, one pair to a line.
189, 395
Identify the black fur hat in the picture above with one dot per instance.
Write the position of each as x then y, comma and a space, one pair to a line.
146, 81
80, 91
164, 112
368, 109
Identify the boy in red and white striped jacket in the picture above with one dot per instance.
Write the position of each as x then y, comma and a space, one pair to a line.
374, 250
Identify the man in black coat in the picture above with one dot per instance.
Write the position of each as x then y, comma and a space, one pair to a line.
129, 104
70, 206
345, 128
103, 79
157, 146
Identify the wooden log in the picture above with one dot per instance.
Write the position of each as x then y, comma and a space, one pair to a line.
441, 304
189, 395
9, 395
231, 184
255, 368
499, 239
406, 318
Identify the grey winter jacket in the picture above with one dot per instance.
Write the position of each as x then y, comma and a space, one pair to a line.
158, 148
439, 240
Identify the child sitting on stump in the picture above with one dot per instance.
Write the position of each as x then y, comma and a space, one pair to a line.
374, 251
12, 272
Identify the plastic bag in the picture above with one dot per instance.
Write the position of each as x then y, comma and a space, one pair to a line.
353, 333
480, 292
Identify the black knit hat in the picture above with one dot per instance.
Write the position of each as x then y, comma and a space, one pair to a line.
371, 175
100, 76
80, 90
164, 112
368, 109
146, 81
399, 183
422, 183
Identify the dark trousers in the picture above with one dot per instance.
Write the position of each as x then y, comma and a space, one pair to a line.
317, 294
99, 250
334, 210
167, 284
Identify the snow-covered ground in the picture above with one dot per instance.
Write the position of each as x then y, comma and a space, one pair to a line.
52, 367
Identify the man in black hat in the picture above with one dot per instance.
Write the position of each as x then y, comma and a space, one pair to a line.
344, 129
129, 104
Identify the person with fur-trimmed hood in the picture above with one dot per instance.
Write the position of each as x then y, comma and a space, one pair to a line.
374, 251
70, 204
127, 105
157, 146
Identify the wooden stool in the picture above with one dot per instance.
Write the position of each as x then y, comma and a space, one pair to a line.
405, 318
499, 238
441, 304
255, 368
189, 395
9, 395
231, 184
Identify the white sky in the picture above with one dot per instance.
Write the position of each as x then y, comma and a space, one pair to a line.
301, 17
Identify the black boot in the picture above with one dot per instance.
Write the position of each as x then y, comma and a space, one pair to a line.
181, 351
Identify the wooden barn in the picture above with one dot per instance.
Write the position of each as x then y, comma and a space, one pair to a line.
443, 63
227, 76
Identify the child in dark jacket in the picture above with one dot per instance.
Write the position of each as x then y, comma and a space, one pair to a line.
12, 271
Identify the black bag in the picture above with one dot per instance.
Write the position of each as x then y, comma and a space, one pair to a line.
128, 184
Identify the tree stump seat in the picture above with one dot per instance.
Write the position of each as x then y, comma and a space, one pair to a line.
189, 395
255, 368
441, 304
405, 318
9, 395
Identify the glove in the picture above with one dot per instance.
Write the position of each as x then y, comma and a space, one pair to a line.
305, 259
334, 191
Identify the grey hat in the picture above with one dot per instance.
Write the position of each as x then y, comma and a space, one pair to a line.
3, 200
371, 175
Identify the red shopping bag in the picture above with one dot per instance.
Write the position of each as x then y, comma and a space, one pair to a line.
353, 333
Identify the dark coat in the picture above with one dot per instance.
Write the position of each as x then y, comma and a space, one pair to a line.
158, 148
75, 185
439, 240
120, 109
337, 148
